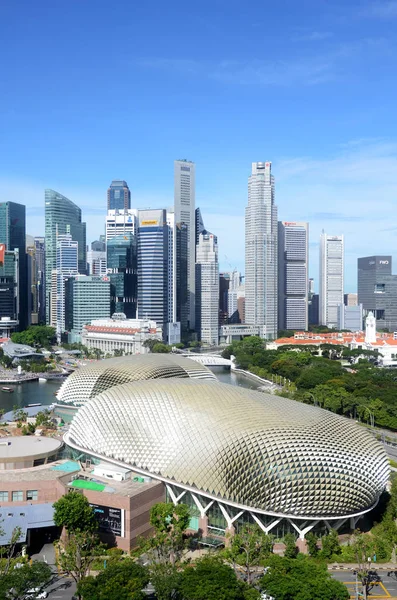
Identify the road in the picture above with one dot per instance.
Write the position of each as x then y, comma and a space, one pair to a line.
61, 588
385, 588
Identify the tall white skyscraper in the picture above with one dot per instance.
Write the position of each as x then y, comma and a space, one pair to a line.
184, 209
331, 280
261, 251
207, 288
293, 251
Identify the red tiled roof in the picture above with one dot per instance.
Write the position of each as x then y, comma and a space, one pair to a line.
120, 330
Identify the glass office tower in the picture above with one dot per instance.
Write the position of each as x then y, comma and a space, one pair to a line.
153, 266
13, 235
61, 216
119, 195
122, 272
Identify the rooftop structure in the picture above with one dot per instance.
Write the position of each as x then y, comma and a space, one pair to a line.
27, 451
87, 382
251, 453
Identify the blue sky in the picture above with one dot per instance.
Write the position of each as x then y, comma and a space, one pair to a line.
92, 90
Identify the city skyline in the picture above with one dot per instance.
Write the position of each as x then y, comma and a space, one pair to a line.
331, 136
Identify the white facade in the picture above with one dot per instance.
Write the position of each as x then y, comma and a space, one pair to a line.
207, 288
96, 261
120, 333
261, 250
293, 271
234, 285
184, 207
331, 281
120, 222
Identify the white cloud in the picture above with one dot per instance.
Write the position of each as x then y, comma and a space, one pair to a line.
381, 9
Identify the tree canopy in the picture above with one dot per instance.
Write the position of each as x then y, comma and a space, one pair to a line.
38, 336
123, 580
73, 512
317, 376
15, 584
300, 578
211, 578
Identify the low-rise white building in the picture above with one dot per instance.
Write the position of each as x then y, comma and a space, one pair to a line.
120, 333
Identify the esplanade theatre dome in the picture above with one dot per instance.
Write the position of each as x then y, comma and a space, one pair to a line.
243, 449
91, 380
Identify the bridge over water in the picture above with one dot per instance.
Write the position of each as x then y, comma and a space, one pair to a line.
209, 360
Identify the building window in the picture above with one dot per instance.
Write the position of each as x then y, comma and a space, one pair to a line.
3, 496
32, 495
17, 496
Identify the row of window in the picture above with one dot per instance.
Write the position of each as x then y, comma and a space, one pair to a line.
18, 496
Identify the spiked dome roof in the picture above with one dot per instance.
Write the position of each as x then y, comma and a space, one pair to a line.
87, 382
249, 449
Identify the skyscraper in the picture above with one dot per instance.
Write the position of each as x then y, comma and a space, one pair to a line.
233, 295
66, 266
331, 280
9, 290
184, 208
61, 216
120, 221
87, 298
293, 253
261, 251
119, 195
377, 290
39, 244
13, 235
121, 255
207, 289
96, 258
153, 272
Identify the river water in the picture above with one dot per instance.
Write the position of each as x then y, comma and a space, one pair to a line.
41, 392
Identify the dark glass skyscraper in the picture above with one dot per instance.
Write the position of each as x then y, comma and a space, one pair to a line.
119, 195
13, 235
61, 216
122, 272
153, 265
377, 290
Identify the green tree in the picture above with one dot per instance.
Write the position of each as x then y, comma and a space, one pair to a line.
300, 579
291, 550
43, 419
170, 522
74, 512
77, 553
19, 414
212, 579
247, 550
311, 541
38, 336
151, 343
119, 581
15, 584
160, 348
165, 578
330, 545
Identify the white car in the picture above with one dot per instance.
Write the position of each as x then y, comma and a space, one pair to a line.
36, 594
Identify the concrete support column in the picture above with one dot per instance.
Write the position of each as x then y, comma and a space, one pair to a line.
229, 534
203, 525
302, 546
